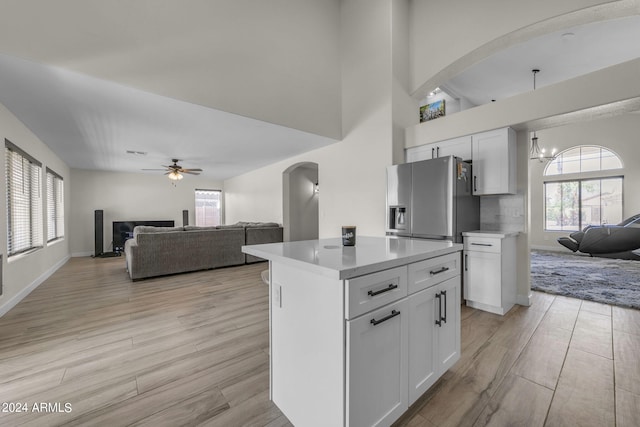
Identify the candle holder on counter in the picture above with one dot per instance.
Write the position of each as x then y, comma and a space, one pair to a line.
349, 235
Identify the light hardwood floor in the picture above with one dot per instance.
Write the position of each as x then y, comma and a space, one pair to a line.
192, 349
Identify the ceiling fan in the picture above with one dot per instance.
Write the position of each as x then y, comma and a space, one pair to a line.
175, 171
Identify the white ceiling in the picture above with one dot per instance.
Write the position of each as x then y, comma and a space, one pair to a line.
226, 86
92, 123
559, 56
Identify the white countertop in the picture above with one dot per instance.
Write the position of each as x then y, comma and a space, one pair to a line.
329, 258
490, 233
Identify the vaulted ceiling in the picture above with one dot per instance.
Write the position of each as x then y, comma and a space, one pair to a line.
225, 85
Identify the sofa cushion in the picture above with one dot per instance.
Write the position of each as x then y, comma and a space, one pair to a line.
198, 227
151, 229
256, 224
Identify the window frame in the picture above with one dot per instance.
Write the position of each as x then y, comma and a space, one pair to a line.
579, 208
34, 219
579, 177
220, 207
57, 207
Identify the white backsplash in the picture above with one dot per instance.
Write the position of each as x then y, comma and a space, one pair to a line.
504, 212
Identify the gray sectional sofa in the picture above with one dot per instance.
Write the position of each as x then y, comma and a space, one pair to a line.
158, 251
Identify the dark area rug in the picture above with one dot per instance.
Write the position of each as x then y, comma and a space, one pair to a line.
605, 280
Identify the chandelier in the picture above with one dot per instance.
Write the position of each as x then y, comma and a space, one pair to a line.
537, 153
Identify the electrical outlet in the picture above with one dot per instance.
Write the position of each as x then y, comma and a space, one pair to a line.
277, 295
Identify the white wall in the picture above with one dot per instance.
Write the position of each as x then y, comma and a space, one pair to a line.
127, 197
351, 172
303, 204
22, 273
619, 134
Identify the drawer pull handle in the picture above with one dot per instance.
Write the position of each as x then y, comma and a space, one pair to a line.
481, 244
393, 314
442, 270
382, 291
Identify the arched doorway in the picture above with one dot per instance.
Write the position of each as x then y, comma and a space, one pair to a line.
300, 202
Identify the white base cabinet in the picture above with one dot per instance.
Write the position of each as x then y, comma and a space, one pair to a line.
490, 271
377, 366
434, 335
358, 352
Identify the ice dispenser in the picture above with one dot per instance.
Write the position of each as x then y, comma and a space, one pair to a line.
398, 217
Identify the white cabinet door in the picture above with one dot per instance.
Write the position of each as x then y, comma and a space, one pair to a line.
434, 334
448, 331
494, 162
482, 278
459, 147
423, 367
423, 152
377, 345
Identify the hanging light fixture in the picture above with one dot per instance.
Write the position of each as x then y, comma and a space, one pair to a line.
175, 176
537, 153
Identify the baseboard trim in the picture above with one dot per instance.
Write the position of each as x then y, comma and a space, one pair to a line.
81, 254
4, 309
524, 300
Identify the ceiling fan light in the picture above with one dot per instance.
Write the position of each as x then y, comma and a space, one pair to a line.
175, 176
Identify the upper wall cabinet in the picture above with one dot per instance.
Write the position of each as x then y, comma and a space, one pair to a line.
459, 147
492, 154
494, 162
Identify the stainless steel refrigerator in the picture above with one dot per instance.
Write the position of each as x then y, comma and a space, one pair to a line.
431, 199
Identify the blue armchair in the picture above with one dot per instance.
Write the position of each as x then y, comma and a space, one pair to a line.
611, 241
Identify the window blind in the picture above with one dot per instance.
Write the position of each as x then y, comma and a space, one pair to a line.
24, 200
55, 206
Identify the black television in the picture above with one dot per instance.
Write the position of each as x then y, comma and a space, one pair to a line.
123, 231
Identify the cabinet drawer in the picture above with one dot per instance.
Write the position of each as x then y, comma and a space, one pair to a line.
366, 293
482, 244
427, 273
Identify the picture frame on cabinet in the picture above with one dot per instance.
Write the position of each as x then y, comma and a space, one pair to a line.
432, 111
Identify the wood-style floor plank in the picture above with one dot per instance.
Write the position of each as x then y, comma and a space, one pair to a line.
192, 349
585, 392
518, 402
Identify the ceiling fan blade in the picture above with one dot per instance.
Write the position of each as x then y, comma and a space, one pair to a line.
191, 170
152, 169
191, 173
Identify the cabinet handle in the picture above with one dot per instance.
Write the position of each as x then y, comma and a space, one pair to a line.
382, 291
439, 321
437, 151
475, 183
481, 244
393, 314
442, 270
444, 318
466, 262
433, 150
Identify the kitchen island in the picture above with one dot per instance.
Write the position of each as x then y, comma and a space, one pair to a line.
358, 333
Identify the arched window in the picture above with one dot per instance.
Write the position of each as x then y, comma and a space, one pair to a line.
583, 186
585, 158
